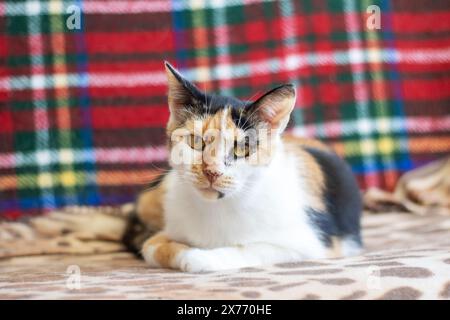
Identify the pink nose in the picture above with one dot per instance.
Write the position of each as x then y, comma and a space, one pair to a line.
212, 175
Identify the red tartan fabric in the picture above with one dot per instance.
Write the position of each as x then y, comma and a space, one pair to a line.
82, 111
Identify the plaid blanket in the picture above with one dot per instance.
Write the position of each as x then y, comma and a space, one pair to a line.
82, 88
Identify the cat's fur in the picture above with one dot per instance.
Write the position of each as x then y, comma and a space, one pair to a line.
300, 201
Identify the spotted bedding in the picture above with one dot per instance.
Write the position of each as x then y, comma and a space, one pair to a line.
407, 257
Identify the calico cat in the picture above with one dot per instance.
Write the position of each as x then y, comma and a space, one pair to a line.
220, 210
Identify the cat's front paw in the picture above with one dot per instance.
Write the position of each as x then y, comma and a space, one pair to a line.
198, 260
148, 253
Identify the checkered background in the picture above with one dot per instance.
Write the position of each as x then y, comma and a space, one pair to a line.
82, 111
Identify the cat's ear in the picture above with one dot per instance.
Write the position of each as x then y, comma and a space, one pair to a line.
182, 93
275, 107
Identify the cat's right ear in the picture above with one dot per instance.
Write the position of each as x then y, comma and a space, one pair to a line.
275, 107
182, 93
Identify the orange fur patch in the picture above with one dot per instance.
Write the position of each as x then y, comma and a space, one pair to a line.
150, 206
166, 253
310, 170
165, 249
214, 121
158, 238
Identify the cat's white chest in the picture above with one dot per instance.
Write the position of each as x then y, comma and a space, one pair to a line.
273, 213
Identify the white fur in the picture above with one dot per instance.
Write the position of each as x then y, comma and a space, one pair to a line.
350, 247
263, 223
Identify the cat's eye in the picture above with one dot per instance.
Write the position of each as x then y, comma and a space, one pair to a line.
241, 150
196, 142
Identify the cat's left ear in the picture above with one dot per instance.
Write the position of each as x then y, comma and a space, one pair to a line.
275, 107
182, 93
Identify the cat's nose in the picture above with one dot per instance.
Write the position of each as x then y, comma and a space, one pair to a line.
212, 175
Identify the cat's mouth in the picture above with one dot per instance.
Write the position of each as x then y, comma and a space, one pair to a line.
211, 194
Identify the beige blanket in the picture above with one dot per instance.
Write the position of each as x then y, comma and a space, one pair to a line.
407, 257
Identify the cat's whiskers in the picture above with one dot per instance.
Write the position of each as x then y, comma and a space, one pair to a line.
250, 116
206, 101
184, 111
242, 111
160, 168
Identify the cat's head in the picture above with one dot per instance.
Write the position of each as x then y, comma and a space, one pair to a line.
220, 145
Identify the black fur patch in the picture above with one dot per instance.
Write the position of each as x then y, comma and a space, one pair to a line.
201, 103
135, 234
341, 196
211, 104
324, 223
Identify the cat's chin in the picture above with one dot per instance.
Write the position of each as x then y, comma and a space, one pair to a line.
211, 194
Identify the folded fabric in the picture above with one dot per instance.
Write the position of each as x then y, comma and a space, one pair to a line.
421, 191
73, 230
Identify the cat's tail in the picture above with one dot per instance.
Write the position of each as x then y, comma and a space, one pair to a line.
75, 230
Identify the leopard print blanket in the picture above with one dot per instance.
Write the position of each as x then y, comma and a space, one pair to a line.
407, 257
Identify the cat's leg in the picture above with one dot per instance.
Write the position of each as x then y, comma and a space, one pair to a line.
160, 251
195, 260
